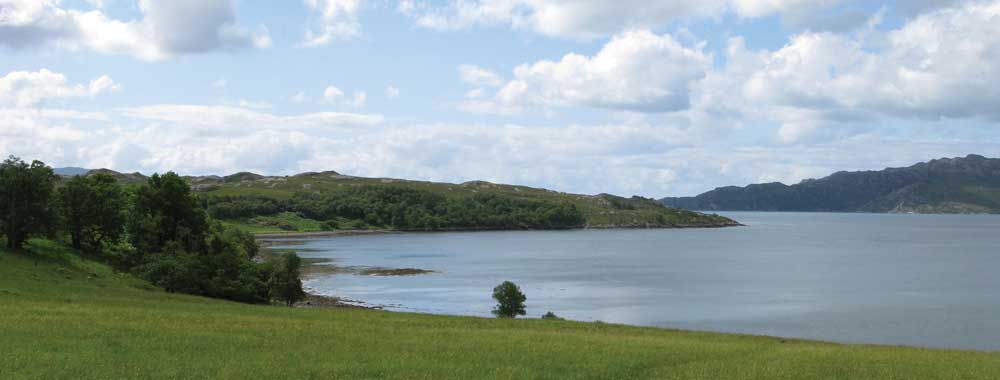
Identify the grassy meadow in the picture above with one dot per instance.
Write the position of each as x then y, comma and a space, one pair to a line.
63, 317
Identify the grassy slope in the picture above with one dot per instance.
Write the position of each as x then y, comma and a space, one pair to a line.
595, 208
66, 318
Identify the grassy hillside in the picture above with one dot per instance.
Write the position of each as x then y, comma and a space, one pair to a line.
66, 318
598, 211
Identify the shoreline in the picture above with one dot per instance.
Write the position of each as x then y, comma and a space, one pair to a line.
293, 235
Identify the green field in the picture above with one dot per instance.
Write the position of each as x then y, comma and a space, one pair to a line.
62, 317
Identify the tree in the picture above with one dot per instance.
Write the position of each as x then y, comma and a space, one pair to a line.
165, 211
25, 195
93, 211
285, 283
510, 300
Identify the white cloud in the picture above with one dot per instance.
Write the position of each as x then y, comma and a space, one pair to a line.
360, 98
167, 28
300, 97
597, 18
333, 19
633, 157
241, 118
391, 92
334, 95
259, 104
585, 18
636, 70
32, 88
479, 76
928, 68
759, 8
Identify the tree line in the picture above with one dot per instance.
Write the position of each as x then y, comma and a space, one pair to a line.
156, 230
405, 208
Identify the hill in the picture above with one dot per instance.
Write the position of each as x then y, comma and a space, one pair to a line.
968, 184
64, 317
70, 171
317, 201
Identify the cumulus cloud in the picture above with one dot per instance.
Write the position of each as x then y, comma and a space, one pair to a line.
167, 28
636, 70
32, 88
332, 19
597, 18
629, 157
927, 69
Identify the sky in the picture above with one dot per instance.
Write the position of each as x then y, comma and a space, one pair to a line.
630, 97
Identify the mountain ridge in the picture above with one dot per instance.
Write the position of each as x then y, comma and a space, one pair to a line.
959, 185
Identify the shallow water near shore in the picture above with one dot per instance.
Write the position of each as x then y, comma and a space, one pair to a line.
921, 280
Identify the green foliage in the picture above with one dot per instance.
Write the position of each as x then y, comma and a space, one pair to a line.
286, 221
93, 211
412, 209
242, 206
510, 300
182, 251
551, 316
165, 211
25, 200
223, 269
285, 283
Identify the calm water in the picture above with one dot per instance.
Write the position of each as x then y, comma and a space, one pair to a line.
924, 280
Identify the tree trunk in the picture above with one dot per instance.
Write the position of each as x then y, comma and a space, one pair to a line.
76, 241
14, 242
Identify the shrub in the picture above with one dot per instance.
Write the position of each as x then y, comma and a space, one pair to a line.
551, 316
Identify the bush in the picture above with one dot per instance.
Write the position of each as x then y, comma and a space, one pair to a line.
510, 300
551, 316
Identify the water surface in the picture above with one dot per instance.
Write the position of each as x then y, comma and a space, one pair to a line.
924, 280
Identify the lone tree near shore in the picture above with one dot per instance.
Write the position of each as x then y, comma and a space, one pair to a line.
510, 300
25, 193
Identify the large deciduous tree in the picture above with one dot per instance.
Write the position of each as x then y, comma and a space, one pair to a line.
25, 200
165, 211
92, 210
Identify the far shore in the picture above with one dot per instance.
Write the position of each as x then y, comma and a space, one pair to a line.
292, 235
320, 234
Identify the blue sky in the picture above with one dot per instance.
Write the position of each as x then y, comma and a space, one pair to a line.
654, 98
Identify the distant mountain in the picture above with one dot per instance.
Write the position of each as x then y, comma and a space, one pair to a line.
968, 184
70, 171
